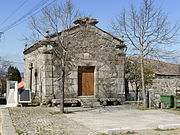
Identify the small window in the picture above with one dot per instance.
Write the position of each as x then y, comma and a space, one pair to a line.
35, 73
12, 85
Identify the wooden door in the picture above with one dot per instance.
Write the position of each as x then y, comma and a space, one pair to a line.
86, 81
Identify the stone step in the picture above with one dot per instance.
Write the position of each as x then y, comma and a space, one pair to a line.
85, 102
169, 126
132, 102
89, 102
66, 100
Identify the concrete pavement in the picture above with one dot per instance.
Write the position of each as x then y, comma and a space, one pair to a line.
7, 127
118, 117
101, 119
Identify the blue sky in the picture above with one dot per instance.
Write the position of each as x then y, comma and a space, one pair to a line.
12, 45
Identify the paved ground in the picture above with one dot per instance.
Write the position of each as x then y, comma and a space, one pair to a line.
0, 123
6, 126
44, 121
88, 121
1, 107
123, 117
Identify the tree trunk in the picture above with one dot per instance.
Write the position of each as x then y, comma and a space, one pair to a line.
143, 83
137, 94
62, 89
62, 94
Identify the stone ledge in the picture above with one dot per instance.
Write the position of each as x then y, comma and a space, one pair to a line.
66, 101
169, 126
7, 126
118, 131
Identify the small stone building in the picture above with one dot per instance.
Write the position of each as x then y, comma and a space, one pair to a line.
166, 81
94, 65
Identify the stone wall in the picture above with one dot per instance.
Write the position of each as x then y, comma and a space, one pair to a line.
36, 64
160, 86
91, 47
86, 45
164, 86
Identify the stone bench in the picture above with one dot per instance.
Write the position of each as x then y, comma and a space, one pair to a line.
114, 101
169, 126
73, 102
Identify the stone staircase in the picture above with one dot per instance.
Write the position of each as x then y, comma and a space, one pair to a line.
89, 102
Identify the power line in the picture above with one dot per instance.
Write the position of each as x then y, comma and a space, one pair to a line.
22, 3
24, 17
21, 18
11, 61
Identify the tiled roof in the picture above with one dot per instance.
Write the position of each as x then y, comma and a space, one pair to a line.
21, 84
164, 68
160, 67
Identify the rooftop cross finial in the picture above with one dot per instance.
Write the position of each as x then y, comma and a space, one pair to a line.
86, 21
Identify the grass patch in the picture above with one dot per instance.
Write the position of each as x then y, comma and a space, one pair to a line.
68, 112
158, 129
131, 132
175, 109
144, 109
19, 132
54, 113
65, 112
128, 133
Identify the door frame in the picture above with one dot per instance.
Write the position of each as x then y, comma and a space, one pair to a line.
81, 82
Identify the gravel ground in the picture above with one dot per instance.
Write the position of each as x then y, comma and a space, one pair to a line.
39, 121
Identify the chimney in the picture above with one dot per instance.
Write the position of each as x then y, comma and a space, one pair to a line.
86, 21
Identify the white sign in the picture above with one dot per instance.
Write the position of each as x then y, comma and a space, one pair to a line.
12, 94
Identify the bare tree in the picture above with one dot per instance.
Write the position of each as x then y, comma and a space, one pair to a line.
54, 19
4, 64
133, 75
145, 30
